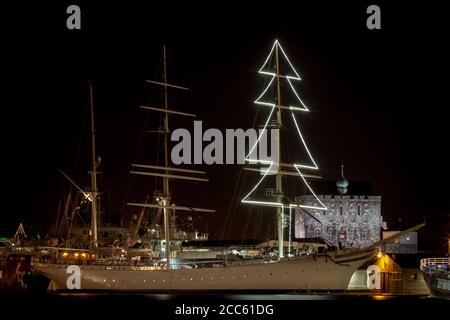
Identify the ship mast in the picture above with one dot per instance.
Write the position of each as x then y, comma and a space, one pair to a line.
164, 201
278, 181
94, 191
275, 197
166, 191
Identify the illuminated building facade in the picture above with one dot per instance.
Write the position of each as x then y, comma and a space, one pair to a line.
351, 220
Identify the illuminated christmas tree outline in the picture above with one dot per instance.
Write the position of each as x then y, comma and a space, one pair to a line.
303, 108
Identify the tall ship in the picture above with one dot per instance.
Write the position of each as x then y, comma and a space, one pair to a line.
317, 265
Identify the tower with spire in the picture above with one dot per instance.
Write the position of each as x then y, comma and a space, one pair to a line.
342, 184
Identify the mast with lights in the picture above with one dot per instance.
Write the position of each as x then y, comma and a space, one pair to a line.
276, 196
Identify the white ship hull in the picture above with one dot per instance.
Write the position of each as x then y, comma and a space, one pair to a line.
300, 273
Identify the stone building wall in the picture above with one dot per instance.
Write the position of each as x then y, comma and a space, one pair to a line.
350, 221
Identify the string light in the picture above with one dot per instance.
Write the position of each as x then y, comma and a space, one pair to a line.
271, 163
277, 43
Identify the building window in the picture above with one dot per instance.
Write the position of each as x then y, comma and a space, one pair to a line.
343, 234
352, 217
317, 217
341, 210
352, 234
359, 209
331, 234
364, 234
365, 217
317, 232
330, 216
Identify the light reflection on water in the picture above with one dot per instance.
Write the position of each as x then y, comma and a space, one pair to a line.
243, 296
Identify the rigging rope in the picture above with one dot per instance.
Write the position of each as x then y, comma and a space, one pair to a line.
138, 152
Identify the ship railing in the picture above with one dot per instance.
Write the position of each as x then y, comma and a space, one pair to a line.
234, 263
224, 248
439, 265
89, 262
434, 261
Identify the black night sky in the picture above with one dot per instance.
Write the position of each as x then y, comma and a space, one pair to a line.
374, 93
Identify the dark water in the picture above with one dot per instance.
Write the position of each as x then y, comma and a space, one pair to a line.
168, 306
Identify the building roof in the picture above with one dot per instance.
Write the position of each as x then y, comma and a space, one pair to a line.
355, 188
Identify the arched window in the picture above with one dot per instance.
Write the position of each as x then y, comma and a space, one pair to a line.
341, 210
359, 209
317, 232
331, 233
351, 234
343, 234
318, 217
352, 217
364, 234
365, 217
